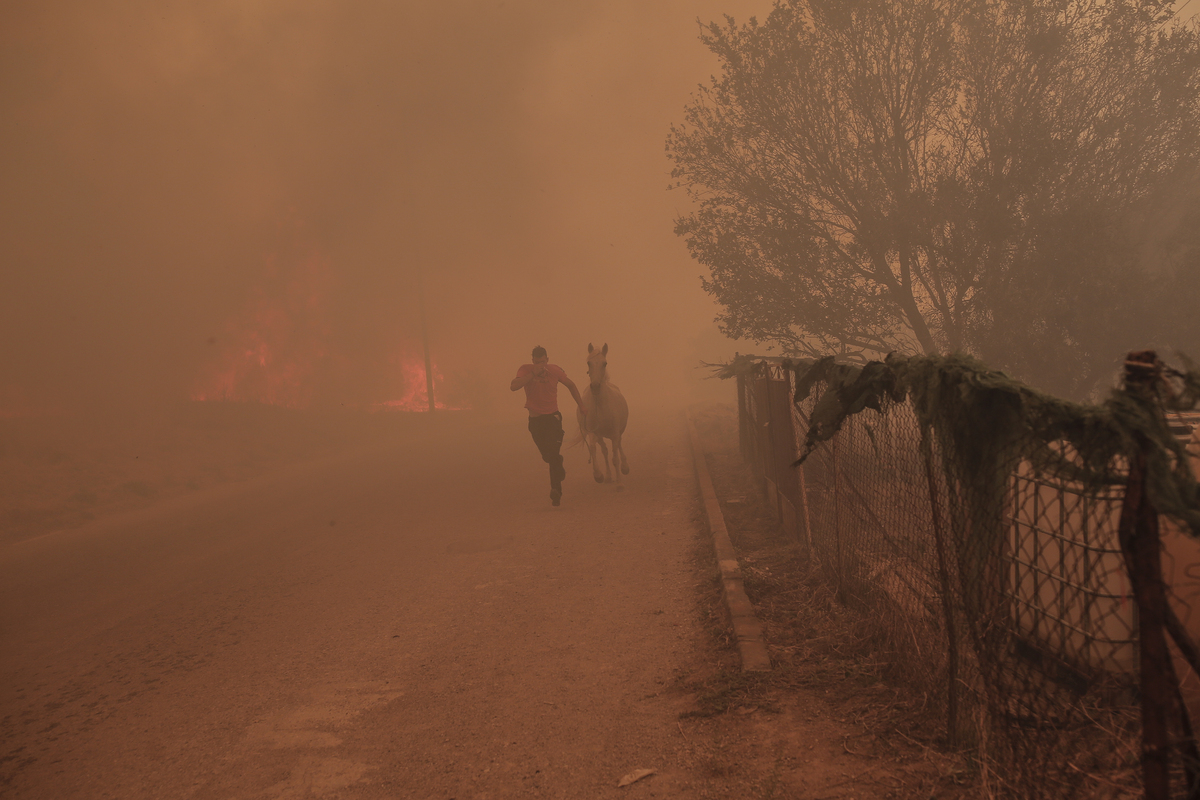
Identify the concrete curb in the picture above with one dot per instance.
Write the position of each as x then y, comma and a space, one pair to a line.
747, 628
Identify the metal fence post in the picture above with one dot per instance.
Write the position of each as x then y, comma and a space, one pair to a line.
837, 514
762, 422
954, 732
743, 414
1138, 534
768, 455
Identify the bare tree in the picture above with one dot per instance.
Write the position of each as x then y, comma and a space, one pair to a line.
936, 175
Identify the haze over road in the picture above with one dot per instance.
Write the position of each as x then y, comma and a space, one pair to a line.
412, 621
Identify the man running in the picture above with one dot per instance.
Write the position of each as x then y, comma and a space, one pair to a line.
540, 381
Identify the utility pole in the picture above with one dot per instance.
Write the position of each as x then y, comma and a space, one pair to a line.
425, 338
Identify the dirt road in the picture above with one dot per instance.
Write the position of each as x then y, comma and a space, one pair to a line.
414, 621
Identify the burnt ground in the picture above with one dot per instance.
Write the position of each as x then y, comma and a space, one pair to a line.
824, 723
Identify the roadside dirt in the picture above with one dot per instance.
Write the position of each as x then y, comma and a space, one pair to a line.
824, 723
648, 676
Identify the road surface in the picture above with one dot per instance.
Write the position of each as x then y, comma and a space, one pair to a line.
411, 621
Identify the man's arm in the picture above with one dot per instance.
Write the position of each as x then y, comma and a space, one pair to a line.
520, 381
570, 384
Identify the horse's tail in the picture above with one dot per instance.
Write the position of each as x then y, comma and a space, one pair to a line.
576, 440
580, 437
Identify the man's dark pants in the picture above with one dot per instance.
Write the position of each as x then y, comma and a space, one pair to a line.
547, 431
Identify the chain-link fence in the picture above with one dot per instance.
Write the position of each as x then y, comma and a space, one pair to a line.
991, 535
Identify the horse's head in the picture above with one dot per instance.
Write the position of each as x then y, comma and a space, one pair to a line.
597, 362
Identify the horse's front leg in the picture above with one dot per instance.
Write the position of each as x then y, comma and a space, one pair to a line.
619, 451
616, 462
591, 440
607, 468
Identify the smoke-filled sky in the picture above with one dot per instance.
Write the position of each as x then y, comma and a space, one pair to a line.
188, 182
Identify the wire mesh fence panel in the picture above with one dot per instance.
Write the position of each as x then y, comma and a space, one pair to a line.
1067, 583
1042, 594
989, 568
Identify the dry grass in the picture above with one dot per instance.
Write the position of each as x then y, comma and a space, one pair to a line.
830, 721
879, 673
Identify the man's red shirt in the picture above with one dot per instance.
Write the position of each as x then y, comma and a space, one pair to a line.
541, 394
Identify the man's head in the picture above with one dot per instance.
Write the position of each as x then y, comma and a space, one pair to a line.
539, 355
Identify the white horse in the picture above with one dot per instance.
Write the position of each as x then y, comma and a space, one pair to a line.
607, 414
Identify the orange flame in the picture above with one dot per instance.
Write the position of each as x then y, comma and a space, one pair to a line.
415, 393
277, 346
278, 352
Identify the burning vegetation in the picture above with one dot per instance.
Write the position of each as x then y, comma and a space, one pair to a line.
284, 348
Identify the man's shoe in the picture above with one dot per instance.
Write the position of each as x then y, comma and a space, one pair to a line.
555, 496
